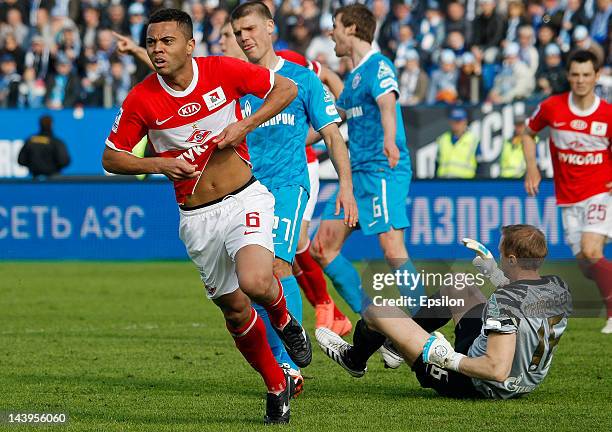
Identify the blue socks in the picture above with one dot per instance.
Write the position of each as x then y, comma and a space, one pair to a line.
293, 297
347, 282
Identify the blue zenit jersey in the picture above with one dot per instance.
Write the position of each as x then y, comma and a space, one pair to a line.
373, 77
277, 147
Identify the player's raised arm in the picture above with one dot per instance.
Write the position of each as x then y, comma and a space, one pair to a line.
532, 175
386, 104
126, 45
281, 95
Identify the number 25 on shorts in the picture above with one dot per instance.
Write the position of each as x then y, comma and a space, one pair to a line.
596, 212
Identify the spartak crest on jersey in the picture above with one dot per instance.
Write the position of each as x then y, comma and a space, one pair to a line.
575, 145
198, 136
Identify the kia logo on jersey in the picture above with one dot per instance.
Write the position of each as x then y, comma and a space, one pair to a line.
578, 124
189, 109
198, 136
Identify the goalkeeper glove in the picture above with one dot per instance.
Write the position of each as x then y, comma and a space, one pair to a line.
488, 268
438, 351
485, 263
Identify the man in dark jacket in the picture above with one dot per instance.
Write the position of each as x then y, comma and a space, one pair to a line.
553, 77
488, 27
63, 88
9, 81
44, 154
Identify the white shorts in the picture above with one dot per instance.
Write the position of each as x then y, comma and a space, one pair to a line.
313, 174
214, 234
593, 214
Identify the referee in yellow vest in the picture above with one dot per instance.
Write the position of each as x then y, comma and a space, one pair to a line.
512, 161
457, 148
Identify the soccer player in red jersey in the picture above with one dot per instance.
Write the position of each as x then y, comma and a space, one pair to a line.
580, 137
306, 270
189, 109
316, 291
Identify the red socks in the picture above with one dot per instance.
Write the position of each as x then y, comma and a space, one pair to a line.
313, 282
277, 310
252, 343
338, 314
305, 285
314, 276
601, 273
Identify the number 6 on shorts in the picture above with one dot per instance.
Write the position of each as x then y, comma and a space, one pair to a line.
252, 220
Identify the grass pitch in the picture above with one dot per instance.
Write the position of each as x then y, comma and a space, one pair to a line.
137, 346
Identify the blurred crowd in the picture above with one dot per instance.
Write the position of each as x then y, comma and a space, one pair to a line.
61, 53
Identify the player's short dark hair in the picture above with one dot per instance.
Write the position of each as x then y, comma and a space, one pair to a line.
360, 16
584, 56
527, 243
182, 20
251, 7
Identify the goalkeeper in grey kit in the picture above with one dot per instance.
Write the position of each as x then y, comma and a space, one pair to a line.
503, 346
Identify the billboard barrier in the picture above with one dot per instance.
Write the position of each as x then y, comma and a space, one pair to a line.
117, 220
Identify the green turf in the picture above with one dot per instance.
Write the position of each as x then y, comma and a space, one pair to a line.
136, 346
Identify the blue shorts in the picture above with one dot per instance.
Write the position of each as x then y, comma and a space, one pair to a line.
381, 200
288, 211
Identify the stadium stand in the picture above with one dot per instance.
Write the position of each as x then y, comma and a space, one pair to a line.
61, 53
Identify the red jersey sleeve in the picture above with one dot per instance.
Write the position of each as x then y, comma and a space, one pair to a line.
298, 58
245, 77
539, 118
315, 66
129, 126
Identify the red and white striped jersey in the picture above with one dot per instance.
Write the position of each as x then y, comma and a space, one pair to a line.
579, 146
314, 66
180, 124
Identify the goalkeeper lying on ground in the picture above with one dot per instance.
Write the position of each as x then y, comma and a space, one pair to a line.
503, 346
